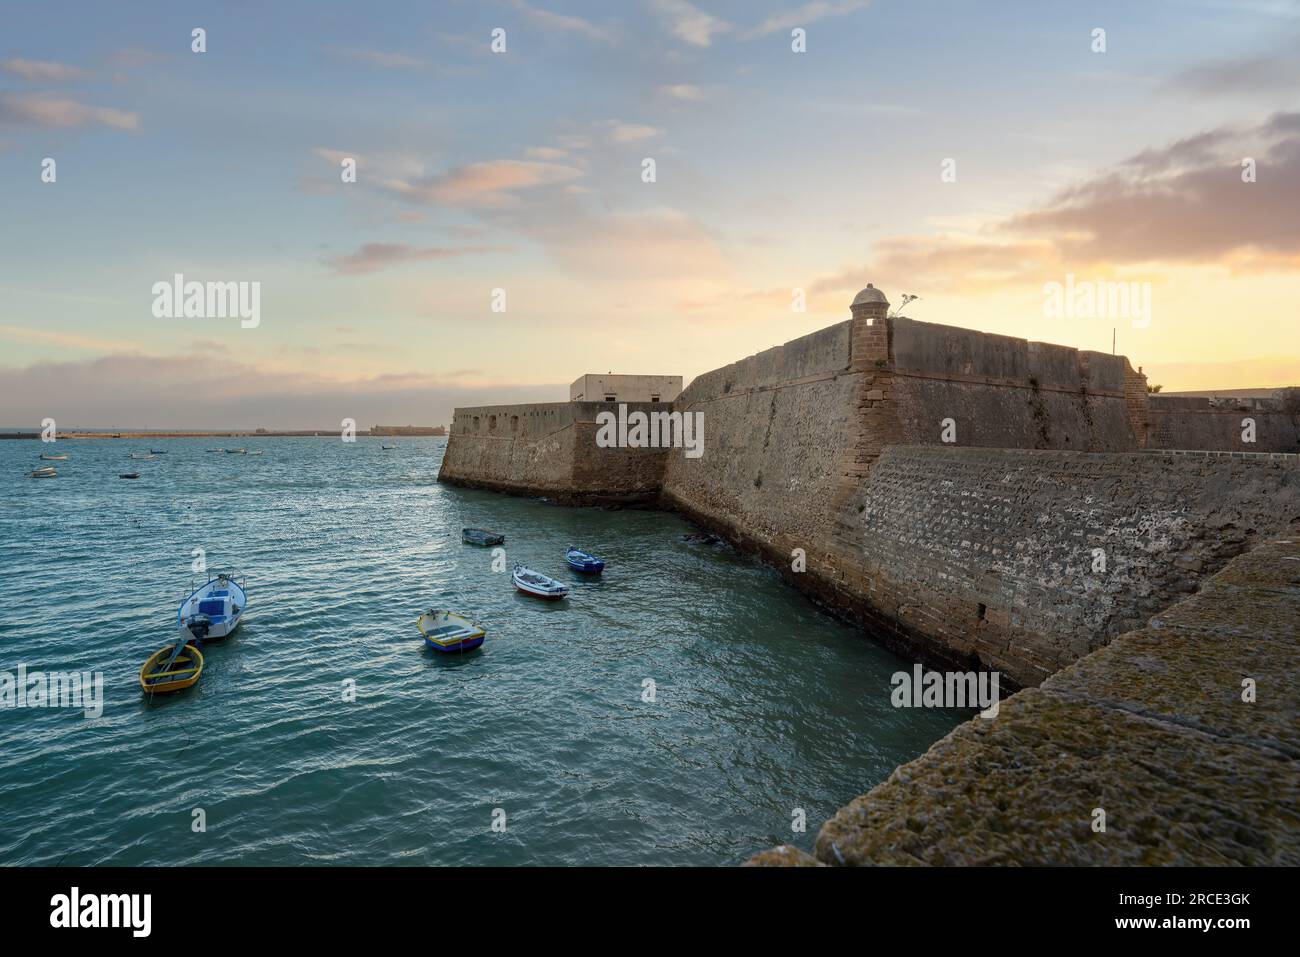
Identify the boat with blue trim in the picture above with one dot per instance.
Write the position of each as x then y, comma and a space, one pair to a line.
447, 631
586, 562
215, 608
538, 585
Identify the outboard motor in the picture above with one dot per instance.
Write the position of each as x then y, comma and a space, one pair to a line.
198, 626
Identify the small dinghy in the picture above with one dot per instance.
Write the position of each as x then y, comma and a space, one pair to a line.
481, 536
581, 561
157, 451
387, 447
54, 458
236, 451
141, 455
258, 452
215, 608
130, 475
537, 584
174, 668
48, 471
447, 631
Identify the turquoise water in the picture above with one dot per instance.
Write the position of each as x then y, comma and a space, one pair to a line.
763, 703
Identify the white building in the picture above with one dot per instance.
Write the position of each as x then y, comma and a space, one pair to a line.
625, 388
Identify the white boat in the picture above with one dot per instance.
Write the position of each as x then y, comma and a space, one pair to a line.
141, 455
48, 471
215, 608
540, 586
54, 458
258, 452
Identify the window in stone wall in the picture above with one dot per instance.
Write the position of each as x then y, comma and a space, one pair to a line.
492, 423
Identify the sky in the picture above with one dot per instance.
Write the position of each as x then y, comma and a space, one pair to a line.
968, 153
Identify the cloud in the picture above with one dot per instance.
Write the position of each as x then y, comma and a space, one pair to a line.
487, 185
43, 110
682, 91
1273, 71
67, 340
375, 256
38, 109
336, 157
545, 153
383, 59
564, 23
631, 132
1184, 203
41, 70
802, 16
689, 23
122, 391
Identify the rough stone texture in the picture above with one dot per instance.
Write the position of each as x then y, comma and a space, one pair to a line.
550, 449
1003, 392
1152, 729
960, 554
1188, 422
989, 553
784, 855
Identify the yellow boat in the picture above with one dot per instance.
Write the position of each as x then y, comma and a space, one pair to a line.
171, 669
447, 631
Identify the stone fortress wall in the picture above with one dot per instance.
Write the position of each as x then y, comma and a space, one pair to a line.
974, 501
549, 449
951, 491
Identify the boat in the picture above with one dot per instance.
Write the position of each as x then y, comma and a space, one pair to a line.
537, 584
141, 455
48, 471
130, 475
215, 608
54, 458
236, 452
447, 631
157, 451
387, 447
481, 536
174, 668
258, 452
581, 561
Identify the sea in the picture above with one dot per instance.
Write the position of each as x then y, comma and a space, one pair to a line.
686, 707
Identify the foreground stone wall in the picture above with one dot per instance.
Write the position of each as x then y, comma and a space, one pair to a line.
1152, 729
549, 449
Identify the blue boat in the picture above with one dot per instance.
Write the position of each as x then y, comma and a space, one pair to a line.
581, 561
447, 631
